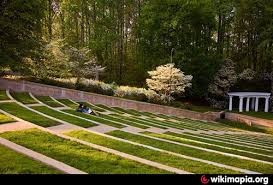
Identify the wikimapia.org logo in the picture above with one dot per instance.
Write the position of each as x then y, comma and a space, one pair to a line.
220, 179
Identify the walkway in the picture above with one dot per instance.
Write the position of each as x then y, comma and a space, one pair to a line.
16, 126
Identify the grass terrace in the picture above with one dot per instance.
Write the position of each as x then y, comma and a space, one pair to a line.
149, 154
139, 121
21, 164
230, 144
5, 119
77, 155
23, 97
262, 115
109, 108
218, 138
28, 115
128, 111
3, 95
221, 148
64, 117
189, 151
49, 101
131, 123
69, 103
93, 107
95, 118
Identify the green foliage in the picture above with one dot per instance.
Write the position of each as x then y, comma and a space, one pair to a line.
20, 32
130, 38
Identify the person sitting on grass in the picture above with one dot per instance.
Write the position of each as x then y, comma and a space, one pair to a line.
87, 110
80, 108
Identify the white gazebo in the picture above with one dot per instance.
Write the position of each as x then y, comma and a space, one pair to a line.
250, 96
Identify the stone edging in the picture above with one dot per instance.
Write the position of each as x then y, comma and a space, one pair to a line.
58, 92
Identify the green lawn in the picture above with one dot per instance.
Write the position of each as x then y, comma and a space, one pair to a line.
69, 103
149, 154
49, 101
215, 147
216, 141
109, 108
5, 119
23, 97
77, 155
28, 115
263, 115
3, 95
211, 156
64, 117
95, 118
219, 138
12, 162
131, 123
128, 111
242, 139
146, 123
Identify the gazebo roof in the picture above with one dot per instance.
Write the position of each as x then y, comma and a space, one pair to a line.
251, 94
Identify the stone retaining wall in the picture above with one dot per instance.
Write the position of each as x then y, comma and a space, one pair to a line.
249, 120
58, 92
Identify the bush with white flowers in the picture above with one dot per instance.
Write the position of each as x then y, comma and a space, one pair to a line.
167, 80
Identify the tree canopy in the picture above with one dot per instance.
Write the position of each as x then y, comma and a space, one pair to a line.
131, 37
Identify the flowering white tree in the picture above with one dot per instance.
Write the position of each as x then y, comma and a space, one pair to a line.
224, 79
81, 64
167, 80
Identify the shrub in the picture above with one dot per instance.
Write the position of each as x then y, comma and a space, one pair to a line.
168, 80
97, 87
139, 94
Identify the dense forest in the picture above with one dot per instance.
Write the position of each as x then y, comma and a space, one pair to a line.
131, 37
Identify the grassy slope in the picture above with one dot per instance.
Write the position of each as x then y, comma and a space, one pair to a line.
25, 114
5, 119
3, 95
69, 103
123, 121
12, 162
147, 123
23, 97
64, 117
243, 126
204, 145
94, 118
232, 161
77, 155
49, 101
163, 158
217, 142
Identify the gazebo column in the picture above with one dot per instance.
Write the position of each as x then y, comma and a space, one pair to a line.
241, 104
257, 104
266, 104
247, 104
252, 103
230, 103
